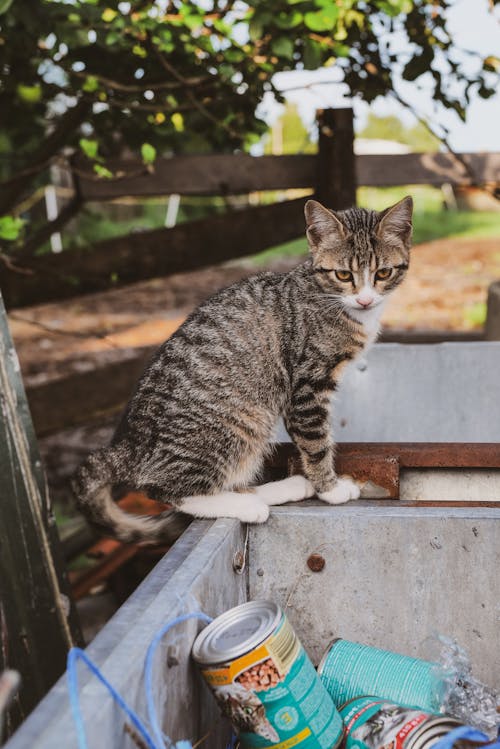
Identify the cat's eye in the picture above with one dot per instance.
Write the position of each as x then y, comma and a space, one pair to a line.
383, 274
343, 275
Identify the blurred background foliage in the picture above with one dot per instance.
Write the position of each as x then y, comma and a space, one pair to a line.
111, 77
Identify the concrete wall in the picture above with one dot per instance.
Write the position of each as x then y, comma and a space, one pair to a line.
392, 577
447, 392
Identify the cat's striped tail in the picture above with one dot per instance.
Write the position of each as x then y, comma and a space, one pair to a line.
92, 485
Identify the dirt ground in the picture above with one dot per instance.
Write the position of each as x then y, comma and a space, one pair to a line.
445, 289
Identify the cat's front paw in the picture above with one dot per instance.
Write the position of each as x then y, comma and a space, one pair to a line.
257, 512
343, 491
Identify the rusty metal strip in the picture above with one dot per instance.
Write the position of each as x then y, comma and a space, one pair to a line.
380, 463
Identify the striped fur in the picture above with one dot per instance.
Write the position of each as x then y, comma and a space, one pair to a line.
197, 429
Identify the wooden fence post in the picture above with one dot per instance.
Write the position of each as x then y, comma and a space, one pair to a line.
492, 325
38, 622
336, 176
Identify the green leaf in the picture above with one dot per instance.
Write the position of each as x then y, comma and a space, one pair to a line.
103, 172
139, 51
255, 29
193, 22
257, 24
283, 47
312, 55
148, 153
322, 20
10, 227
342, 50
418, 65
89, 147
109, 15
29, 94
178, 121
91, 84
491, 63
288, 20
485, 92
5, 5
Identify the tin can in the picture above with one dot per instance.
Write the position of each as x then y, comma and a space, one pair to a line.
264, 681
372, 723
349, 669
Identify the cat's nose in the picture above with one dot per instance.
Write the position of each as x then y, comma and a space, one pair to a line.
364, 300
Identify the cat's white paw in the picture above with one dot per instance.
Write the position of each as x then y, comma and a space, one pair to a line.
293, 489
343, 491
257, 512
301, 487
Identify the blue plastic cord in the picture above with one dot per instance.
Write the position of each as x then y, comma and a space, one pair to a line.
148, 674
465, 732
74, 655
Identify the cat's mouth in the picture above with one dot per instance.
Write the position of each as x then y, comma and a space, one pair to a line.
359, 307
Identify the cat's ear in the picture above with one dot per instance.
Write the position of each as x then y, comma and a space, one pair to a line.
322, 225
395, 222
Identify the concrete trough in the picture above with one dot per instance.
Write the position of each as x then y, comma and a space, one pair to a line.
393, 575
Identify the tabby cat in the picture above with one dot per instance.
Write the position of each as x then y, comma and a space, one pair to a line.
197, 429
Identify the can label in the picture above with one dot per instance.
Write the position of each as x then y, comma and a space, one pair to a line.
274, 697
377, 724
349, 669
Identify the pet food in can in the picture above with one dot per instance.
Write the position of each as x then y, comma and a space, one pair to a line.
264, 681
349, 669
372, 723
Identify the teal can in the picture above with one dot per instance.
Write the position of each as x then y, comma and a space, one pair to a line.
264, 681
349, 669
373, 723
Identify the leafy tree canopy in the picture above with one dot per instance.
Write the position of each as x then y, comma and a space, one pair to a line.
164, 76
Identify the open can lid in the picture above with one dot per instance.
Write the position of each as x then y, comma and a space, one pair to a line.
236, 632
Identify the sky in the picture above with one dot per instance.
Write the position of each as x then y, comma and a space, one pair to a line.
472, 27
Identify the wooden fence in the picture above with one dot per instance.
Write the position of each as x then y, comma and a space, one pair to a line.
38, 620
332, 175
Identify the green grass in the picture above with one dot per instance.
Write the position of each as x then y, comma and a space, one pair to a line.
431, 220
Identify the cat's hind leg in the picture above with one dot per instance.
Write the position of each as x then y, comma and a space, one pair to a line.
245, 506
291, 489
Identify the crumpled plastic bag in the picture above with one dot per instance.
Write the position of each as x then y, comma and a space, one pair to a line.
463, 696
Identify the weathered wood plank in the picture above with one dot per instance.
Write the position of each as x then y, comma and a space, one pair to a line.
85, 396
336, 169
426, 169
150, 254
37, 618
217, 174
240, 173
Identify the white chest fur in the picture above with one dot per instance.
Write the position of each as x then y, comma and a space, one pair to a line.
370, 320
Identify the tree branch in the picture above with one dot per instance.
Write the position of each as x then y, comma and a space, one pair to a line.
11, 190
196, 104
133, 88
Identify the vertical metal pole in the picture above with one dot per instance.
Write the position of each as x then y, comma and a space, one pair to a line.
336, 176
38, 621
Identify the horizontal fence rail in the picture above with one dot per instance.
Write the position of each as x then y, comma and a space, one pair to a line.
240, 174
212, 174
332, 176
148, 254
